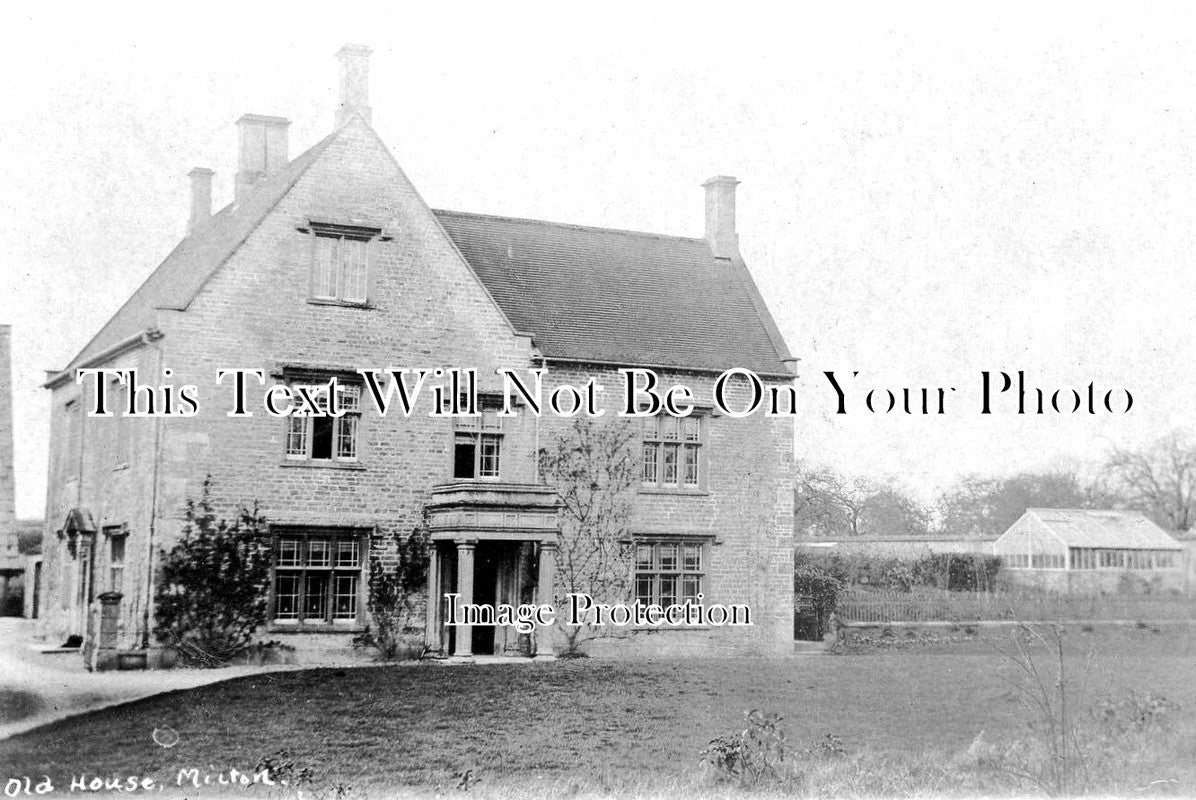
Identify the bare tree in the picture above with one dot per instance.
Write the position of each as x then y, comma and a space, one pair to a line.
979, 506
593, 468
1159, 481
828, 504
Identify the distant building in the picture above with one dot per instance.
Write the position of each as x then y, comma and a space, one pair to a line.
1087, 550
12, 564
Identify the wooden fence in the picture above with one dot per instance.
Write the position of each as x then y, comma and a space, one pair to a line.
942, 606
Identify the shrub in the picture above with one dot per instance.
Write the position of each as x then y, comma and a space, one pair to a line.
957, 572
394, 592
211, 596
821, 588
1052, 757
751, 755
961, 572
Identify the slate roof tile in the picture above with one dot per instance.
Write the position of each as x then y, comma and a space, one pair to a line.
590, 295
613, 296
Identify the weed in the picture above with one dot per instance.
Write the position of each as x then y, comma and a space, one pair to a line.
829, 746
283, 769
749, 756
465, 779
1052, 758
1135, 713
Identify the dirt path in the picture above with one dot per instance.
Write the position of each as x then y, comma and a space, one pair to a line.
37, 688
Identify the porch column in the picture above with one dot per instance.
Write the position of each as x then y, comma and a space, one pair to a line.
432, 612
544, 589
464, 643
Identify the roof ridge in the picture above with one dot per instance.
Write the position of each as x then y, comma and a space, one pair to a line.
572, 225
207, 228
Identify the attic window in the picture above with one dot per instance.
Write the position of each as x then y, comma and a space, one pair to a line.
340, 271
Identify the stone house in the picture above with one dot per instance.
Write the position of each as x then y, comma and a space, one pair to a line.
331, 262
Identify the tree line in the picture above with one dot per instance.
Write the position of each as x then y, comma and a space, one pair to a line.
1158, 480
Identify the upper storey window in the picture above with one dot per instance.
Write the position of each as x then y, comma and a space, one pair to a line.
477, 441
341, 258
672, 452
327, 438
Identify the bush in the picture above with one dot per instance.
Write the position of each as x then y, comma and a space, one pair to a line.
751, 755
394, 591
820, 587
960, 572
211, 595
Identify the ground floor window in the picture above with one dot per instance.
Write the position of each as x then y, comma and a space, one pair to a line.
317, 576
669, 572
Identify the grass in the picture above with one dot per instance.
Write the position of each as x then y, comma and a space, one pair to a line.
597, 726
17, 705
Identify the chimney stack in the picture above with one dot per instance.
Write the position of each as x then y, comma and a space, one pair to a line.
355, 83
720, 216
201, 196
263, 149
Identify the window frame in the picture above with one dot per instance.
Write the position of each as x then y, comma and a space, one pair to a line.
655, 440
341, 233
679, 571
480, 433
334, 536
117, 537
308, 424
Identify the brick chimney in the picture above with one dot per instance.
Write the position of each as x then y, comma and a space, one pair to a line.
355, 83
263, 149
720, 216
201, 196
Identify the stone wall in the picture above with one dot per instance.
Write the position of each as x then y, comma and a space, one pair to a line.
426, 309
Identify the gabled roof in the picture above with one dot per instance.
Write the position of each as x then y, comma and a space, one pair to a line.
598, 295
591, 295
181, 275
1078, 527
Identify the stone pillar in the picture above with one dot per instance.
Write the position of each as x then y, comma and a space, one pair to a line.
11, 562
545, 584
106, 628
464, 644
432, 616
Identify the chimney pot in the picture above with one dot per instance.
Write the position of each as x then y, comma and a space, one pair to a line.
720, 216
355, 83
263, 149
201, 196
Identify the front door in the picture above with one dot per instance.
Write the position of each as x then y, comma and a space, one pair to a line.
488, 563
499, 577
83, 586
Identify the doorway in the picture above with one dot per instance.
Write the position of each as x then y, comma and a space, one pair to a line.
503, 574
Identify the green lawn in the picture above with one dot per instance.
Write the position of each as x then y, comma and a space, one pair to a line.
588, 725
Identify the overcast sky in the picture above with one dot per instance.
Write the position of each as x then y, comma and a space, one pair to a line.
924, 195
